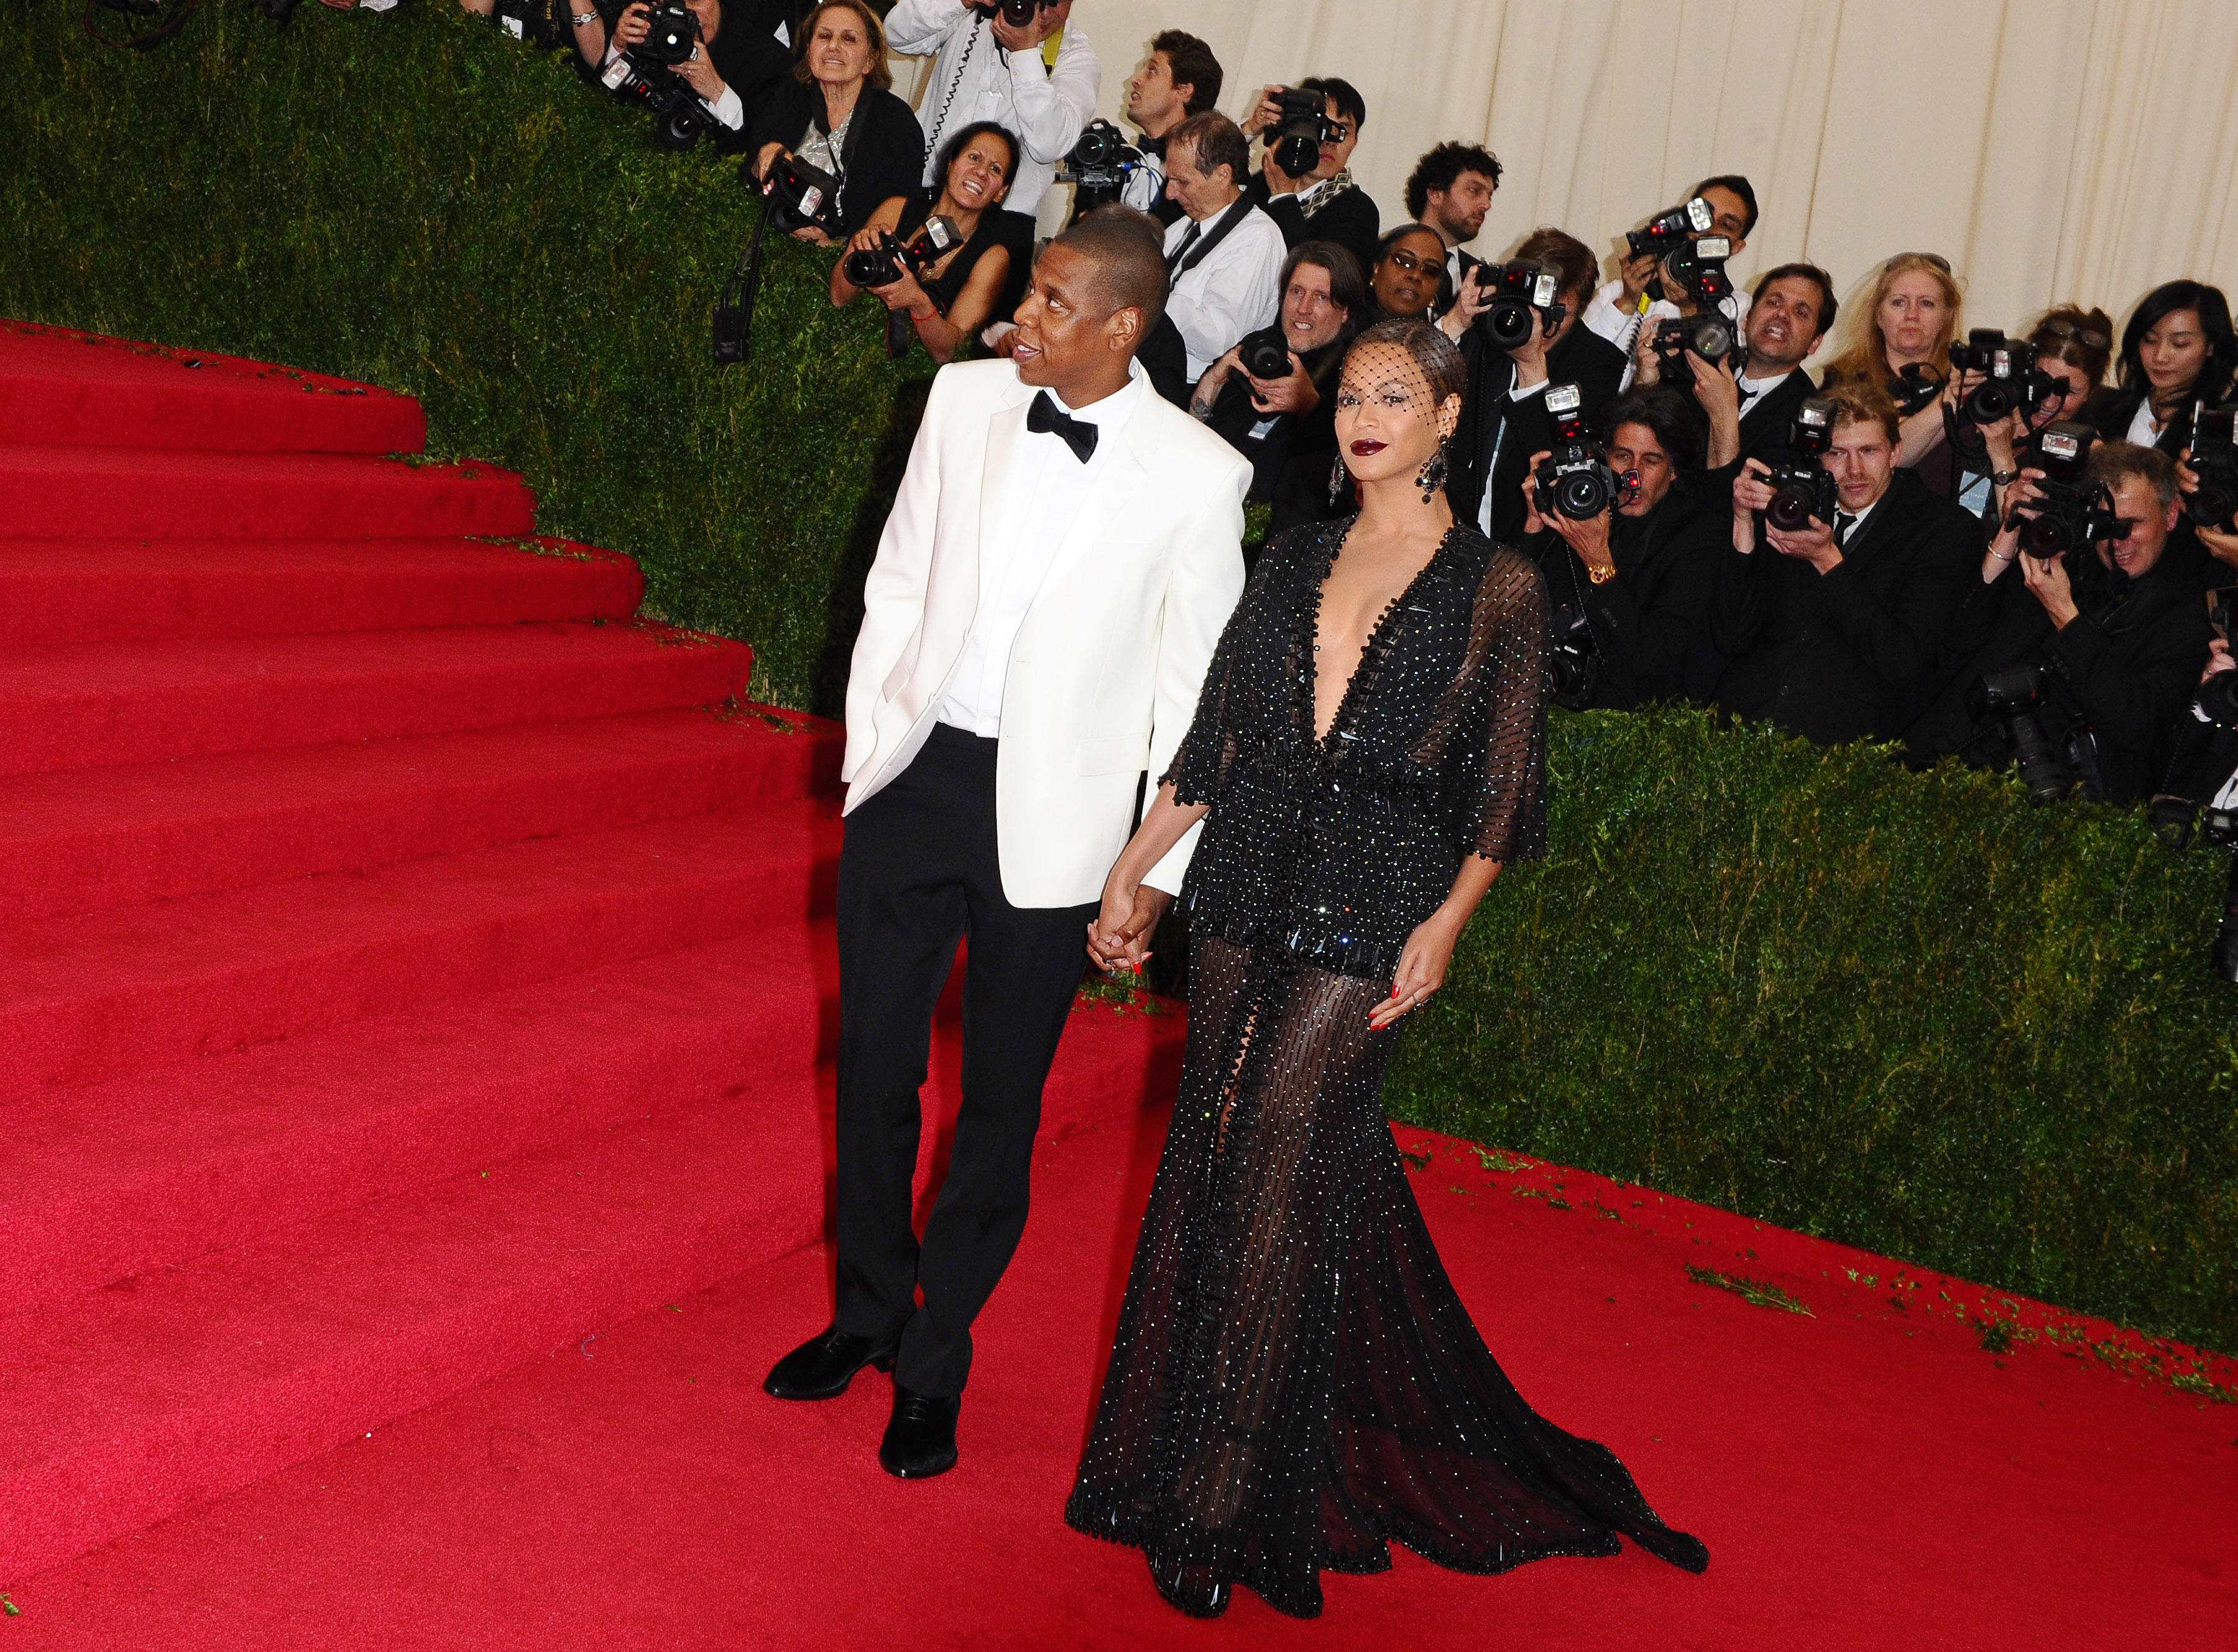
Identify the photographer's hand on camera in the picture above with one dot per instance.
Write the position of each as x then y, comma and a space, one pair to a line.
2013, 502
1294, 393
1588, 537
1751, 498
633, 25
1814, 544
697, 71
1012, 37
1530, 356
1471, 301
2046, 579
1638, 274
1719, 393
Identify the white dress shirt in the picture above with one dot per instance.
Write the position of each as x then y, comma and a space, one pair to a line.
1043, 493
1754, 390
974, 78
1234, 289
1621, 327
2144, 428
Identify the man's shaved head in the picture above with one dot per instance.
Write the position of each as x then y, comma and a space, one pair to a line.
1125, 250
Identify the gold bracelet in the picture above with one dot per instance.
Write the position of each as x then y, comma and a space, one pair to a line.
1601, 575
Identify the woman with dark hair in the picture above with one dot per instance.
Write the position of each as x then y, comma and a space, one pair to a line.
1295, 1382
1407, 281
2073, 347
2178, 349
959, 289
838, 112
1632, 585
1286, 425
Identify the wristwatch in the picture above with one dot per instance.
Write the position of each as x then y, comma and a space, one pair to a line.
2004, 478
1601, 575
583, 19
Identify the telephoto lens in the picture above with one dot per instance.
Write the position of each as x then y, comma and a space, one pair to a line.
2013, 698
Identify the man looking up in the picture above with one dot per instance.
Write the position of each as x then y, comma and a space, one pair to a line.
1789, 315
1617, 312
1224, 257
1180, 77
1322, 203
1062, 554
1450, 191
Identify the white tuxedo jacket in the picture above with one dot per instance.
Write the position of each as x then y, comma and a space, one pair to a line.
1104, 675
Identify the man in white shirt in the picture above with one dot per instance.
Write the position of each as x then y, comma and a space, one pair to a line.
1618, 313
1180, 77
988, 70
1223, 255
1063, 552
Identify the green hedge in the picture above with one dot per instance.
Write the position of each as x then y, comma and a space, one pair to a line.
1906, 1012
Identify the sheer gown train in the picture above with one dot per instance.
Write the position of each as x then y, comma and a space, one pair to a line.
1295, 1382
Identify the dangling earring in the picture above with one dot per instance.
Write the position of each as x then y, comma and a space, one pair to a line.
1338, 477
1432, 476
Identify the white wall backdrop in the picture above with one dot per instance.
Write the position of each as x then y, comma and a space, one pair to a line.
2050, 149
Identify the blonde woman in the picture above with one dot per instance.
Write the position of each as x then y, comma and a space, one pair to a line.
1910, 323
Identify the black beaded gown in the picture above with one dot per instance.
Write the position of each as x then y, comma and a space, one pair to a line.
1295, 1382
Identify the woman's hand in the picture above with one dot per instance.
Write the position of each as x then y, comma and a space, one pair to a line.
771, 154
1421, 967
869, 238
904, 294
697, 71
1119, 934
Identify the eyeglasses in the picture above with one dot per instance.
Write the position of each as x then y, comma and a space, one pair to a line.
1407, 262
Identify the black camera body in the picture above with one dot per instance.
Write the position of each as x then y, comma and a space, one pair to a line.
1914, 388
641, 75
1304, 127
1265, 354
1706, 333
1574, 479
1518, 291
1573, 659
2074, 511
1098, 166
2012, 382
2215, 458
1019, 14
1699, 266
1667, 229
882, 265
2014, 699
1801, 486
800, 195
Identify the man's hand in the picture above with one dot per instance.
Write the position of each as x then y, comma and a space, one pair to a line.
1208, 388
1716, 388
1292, 393
1532, 521
698, 72
1589, 538
1752, 495
1646, 365
1638, 272
1119, 934
1028, 38
1471, 302
1265, 112
633, 25
2218, 659
1530, 356
2046, 579
1814, 544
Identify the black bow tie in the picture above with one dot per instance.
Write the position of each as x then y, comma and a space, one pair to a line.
1079, 434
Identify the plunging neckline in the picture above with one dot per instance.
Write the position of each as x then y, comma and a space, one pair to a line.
1344, 703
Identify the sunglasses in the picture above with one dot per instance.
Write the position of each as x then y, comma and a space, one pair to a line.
2090, 337
1935, 258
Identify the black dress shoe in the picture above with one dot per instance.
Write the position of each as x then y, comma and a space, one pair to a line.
821, 1368
921, 1435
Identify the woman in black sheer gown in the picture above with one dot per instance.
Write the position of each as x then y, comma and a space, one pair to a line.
1295, 1382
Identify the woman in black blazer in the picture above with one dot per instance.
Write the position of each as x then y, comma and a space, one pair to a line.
838, 113
2178, 349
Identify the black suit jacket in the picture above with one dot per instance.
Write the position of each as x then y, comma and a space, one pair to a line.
1291, 462
1651, 624
1497, 431
1351, 220
1849, 654
1767, 422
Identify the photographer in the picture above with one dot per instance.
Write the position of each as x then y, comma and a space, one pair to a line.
1901, 345
838, 112
987, 70
2178, 349
1645, 294
1224, 257
1831, 630
1180, 77
949, 298
1501, 422
733, 72
2119, 641
1747, 415
1286, 426
1322, 203
2203, 774
1450, 190
2070, 348
1633, 586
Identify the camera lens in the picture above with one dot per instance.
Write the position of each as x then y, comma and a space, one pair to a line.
2042, 536
1265, 355
1791, 508
1992, 400
1508, 322
1581, 496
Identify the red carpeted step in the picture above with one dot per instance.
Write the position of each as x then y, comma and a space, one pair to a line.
80, 839
85, 705
94, 996
59, 385
141, 493
124, 1405
124, 590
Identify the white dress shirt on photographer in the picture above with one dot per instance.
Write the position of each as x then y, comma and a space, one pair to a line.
729, 109
1607, 316
1233, 289
973, 78
1044, 491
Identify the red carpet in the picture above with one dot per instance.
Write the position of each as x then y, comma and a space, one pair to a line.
410, 1041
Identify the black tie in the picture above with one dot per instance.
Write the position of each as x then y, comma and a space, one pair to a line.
1188, 240
1843, 523
1079, 434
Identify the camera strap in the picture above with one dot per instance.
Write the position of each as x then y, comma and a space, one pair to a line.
1201, 250
734, 308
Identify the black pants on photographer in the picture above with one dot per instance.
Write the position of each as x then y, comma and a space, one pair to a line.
918, 872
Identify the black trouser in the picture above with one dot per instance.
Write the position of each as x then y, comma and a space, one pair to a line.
917, 872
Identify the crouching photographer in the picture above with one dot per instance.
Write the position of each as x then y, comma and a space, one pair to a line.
694, 76
2076, 649
1630, 553
938, 258
1273, 397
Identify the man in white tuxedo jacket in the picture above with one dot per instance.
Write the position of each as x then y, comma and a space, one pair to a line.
1061, 559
